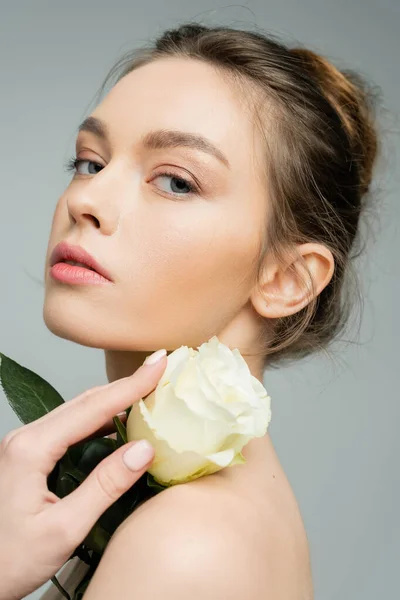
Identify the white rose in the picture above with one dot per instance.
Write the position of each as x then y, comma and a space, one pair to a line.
206, 407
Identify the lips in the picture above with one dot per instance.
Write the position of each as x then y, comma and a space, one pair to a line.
66, 252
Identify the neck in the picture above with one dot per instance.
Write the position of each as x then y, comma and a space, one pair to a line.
241, 333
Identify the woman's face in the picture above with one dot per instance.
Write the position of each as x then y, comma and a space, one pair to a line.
182, 262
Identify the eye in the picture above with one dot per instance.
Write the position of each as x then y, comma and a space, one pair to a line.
79, 165
180, 184
90, 167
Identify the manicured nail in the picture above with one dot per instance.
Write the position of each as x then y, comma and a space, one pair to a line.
155, 357
138, 455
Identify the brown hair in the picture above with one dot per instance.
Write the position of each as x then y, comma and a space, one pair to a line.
321, 145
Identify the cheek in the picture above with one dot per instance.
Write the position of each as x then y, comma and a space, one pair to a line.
190, 267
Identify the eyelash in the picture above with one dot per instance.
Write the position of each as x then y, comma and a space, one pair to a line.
73, 163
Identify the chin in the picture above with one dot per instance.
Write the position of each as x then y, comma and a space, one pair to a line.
87, 324
68, 329
68, 319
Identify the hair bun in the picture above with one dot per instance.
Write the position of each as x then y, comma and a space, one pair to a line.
355, 102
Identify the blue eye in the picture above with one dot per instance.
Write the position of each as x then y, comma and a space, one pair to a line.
80, 165
180, 183
75, 164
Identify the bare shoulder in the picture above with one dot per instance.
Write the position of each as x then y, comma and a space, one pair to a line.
199, 541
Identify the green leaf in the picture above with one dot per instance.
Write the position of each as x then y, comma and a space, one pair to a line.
94, 451
152, 483
97, 539
75, 452
64, 465
127, 411
28, 394
121, 429
75, 474
65, 485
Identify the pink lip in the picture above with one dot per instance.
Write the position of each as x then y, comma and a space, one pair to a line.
76, 274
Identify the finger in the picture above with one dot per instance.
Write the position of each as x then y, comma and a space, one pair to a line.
106, 429
86, 413
106, 483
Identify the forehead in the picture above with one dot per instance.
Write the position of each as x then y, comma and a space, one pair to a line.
181, 94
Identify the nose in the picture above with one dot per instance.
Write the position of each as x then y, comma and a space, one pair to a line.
90, 205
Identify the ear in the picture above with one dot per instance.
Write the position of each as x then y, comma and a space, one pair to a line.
284, 290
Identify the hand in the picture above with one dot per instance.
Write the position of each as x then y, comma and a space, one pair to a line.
38, 530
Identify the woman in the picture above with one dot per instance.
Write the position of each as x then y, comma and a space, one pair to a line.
218, 188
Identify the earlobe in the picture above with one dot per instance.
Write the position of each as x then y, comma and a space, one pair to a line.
285, 290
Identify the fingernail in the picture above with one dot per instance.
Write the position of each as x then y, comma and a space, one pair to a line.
155, 357
138, 455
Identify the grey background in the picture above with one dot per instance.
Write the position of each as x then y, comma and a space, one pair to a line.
335, 417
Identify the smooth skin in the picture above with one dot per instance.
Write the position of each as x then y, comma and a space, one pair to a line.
183, 269
183, 262
38, 530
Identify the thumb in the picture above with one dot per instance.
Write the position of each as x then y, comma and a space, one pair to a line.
111, 478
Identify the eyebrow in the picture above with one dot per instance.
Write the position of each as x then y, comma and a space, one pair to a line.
160, 138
